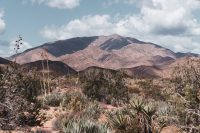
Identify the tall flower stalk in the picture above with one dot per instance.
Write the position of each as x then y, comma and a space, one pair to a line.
18, 44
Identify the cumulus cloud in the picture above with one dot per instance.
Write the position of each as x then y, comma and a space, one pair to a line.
2, 23
60, 4
170, 23
86, 26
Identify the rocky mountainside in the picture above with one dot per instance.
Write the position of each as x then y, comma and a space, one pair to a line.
112, 52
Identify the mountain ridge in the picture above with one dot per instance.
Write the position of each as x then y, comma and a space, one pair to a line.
111, 52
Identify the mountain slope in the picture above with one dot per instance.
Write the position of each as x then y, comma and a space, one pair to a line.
117, 52
143, 71
112, 52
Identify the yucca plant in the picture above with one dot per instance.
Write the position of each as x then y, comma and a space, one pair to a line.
137, 105
143, 115
79, 125
120, 120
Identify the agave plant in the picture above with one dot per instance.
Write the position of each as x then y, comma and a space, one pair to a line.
74, 125
144, 114
119, 122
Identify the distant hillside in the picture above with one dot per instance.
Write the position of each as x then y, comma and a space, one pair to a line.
143, 72
55, 67
97, 69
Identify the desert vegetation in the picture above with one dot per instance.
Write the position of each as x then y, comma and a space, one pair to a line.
99, 100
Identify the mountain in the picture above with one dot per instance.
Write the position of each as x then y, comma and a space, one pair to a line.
179, 54
55, 67
94, 70
111, 52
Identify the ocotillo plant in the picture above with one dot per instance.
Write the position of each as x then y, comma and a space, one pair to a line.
47, 60
45, 79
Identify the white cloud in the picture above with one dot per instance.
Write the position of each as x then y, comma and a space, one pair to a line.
86, 26
171, 23
2, 23
60, 4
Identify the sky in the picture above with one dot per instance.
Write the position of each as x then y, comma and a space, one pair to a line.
174, 24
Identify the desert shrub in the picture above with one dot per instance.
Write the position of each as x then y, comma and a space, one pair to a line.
75, 101
104, 85
150, 90
93, 111
18, 93
187, 85
53, 100
119, 121
134, 90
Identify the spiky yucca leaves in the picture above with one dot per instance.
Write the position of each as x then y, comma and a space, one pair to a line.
74, 125
144, 113
119, 121
136, 117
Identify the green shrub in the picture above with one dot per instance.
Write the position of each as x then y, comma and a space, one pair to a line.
53, 100
104, 85
18, 92
93, 111
75, 101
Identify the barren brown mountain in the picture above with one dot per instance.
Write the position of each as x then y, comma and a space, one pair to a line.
112, 52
